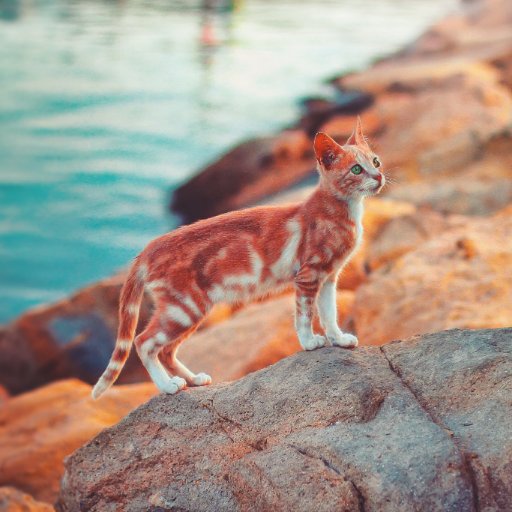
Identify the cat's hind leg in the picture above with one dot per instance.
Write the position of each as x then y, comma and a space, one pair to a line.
148, 344
177, 367
182, 318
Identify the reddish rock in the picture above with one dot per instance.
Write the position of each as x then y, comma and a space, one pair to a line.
318, 110
4, 394
40, 428
12, 500
405, 233
447, 125
483, 187
71, 338
458, 278
246, 174
399, 429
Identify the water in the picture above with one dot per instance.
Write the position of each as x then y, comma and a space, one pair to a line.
107, 106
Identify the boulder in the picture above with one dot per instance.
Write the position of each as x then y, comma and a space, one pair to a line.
480, 30
483, 187
317, 111
419, 425
70, 338
447, 123
249, 172
462, 195
405, 233
40, 428
458, 278
4, 394
13, 500
257, 336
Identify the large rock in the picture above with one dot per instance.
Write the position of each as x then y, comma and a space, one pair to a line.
421, 425
4, 394
458, 278
447, 125
406, 233
70, 338
246, 174
13, 500
484, 186
40, 428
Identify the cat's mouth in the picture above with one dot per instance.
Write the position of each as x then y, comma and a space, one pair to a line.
379, 185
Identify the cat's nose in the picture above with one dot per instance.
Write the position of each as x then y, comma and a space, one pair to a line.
379, 177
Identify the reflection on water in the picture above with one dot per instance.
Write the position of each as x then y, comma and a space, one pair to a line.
105, 105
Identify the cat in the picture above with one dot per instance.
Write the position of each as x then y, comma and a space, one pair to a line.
247, 254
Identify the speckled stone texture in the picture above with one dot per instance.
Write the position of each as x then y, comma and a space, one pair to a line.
422, 424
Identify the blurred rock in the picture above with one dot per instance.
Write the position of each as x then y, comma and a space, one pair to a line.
12, 500
4, 394
447, 125
40, 428
244, 175
458, 278
400, 429
483, 187
405, 233
467, 196
319, 110
481, 31
71, 338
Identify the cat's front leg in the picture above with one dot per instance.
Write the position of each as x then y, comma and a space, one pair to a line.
327, 312
306, 290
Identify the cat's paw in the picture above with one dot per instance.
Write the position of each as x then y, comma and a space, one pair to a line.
201, 379
343, 339
173, 385
313, 342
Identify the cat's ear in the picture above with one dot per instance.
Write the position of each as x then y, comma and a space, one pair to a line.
357, 137
327, 151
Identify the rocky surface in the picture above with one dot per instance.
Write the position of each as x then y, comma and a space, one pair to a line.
4, 394
40, 428
71, 338
459, 278
13, 500
246, 174
418, 425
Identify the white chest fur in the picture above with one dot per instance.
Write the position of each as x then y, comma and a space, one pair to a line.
355, 213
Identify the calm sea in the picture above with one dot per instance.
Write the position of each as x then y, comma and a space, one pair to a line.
105, 106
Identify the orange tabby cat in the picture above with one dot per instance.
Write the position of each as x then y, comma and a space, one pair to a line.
246, 254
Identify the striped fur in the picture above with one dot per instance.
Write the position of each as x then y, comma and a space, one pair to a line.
247, 254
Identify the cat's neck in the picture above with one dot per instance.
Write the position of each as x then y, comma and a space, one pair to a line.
340, 205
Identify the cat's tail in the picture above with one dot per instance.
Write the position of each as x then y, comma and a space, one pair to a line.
129, 305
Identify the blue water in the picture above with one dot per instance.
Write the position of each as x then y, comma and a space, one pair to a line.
107, 106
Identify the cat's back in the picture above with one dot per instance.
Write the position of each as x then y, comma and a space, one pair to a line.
256, 222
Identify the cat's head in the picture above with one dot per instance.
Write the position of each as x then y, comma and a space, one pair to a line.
351, 170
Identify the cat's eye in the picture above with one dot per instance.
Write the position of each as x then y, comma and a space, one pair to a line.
356, 169
376, 162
